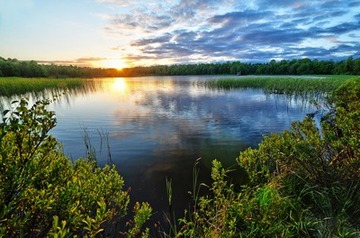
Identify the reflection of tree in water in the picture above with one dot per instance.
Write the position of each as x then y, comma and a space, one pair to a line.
241, 114
183, 127
61, 94
158, 128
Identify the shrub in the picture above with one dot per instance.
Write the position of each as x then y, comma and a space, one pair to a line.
304, 182
43, 193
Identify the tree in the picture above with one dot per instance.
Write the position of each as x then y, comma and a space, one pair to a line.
349, 65
357, 66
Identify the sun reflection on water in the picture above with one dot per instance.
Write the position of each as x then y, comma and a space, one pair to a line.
119, 85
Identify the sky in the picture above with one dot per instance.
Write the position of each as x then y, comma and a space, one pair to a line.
128, 33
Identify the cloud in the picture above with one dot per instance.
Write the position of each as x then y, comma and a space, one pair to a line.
215, 30
122, 3
58, 62
282, 4
90, 59
187, 9
144, 21
354, 4
83, 62
240, 18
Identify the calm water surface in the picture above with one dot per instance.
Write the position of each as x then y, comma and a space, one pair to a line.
157, 127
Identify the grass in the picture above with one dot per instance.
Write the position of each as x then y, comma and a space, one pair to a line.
15, 85
283, 85
303, 182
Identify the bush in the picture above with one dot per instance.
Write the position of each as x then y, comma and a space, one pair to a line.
304, 182
43, 193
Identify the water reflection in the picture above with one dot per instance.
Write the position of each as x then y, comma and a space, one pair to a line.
159, 127
119, 85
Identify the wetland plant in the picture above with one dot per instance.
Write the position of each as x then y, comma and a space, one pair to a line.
43, 193
15, 86
302, 183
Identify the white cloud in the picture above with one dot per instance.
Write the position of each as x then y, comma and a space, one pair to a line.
216, 30
121, 3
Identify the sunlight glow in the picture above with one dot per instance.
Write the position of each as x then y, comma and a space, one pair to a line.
119, 85
113, 63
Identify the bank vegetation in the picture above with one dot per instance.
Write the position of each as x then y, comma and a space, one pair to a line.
17, 68
304, 182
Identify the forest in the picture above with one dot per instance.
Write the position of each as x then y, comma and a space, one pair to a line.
17, 68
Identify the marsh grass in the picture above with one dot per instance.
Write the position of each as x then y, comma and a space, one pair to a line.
15, 85
303, 182
282, 85
91, 151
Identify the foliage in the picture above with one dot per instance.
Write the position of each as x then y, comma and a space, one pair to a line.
258, 211
43, 193
14, 67
282, 85
14, 85
142, 212
283, 67
31, 69
304, 182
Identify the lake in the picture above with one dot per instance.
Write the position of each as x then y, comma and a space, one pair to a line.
153, 128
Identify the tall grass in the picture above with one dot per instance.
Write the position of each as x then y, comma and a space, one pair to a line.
14, 85
91, 152
282, 85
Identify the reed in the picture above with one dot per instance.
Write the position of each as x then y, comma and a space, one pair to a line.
15, 85
282, 85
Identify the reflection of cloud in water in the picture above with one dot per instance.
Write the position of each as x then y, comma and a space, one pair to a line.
162, 116
158, 128
122, 134
191, 113
159, 168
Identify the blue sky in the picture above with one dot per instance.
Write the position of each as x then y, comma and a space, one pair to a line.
120, 33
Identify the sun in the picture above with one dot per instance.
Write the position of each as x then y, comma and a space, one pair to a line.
118, 64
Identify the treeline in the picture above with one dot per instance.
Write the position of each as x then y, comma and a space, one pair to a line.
283, 67
17, 68
14, 67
